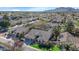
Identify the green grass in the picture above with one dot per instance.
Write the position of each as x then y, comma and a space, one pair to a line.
35, 46
55, 48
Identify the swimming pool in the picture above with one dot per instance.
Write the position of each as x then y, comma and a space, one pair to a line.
2, 48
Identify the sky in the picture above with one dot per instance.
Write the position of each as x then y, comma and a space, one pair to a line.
27, 8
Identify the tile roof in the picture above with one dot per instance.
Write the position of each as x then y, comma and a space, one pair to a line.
43, 35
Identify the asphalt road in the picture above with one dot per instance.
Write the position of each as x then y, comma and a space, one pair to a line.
23, 48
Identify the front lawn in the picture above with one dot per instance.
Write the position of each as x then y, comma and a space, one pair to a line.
53, 48
35, 46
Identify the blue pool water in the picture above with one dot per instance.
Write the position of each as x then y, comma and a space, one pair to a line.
2, 48
28, 41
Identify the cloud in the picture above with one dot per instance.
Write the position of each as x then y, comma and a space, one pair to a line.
39, 8
15, 10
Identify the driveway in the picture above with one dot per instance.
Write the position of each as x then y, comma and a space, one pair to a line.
9, 43
27, 48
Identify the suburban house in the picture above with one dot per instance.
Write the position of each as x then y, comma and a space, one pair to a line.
52, 24
38, 35
17, 30
67, 38
44, 27
56, 19
1, 18
21, 30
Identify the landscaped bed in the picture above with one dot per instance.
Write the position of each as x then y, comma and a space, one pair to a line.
55, 48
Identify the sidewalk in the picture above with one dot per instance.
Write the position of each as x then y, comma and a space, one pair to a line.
33, 48
27, 48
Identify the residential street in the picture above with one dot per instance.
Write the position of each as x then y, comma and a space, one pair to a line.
8, 43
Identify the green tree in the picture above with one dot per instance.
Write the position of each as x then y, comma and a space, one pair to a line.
70, 26
56, 32
56, 48
19, 36
4, 23
5, 17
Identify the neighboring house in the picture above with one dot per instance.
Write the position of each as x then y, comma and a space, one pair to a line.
1, 18
13, 23
53, 24
32, 19
13, 36
67, 38
21, 30
2, 30
56, 19
17, 30
44, 27
12, 17
38, 35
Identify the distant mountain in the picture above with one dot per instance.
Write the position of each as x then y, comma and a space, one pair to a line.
63, 9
